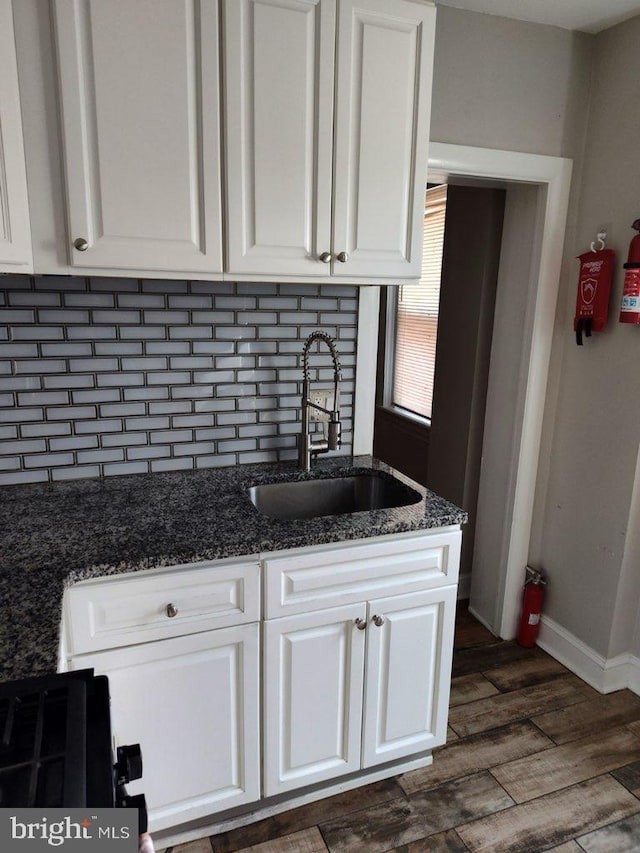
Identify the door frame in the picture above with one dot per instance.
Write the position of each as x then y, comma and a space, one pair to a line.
499, 605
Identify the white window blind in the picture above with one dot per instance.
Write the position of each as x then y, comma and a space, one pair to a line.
417, 316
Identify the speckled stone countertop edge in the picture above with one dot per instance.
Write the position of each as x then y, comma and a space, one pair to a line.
55, 536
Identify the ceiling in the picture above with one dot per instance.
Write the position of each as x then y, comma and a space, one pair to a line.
589, 16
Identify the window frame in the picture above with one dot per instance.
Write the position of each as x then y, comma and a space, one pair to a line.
390, 361
390, 332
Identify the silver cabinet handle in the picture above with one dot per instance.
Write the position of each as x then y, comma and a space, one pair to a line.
361, 624
343, 257
81, 245
325, 257
377, 620
172, 611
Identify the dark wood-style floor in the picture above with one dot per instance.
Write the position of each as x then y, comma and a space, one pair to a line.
535, 760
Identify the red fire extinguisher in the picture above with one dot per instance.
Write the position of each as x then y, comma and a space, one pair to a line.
630, 308
531, 608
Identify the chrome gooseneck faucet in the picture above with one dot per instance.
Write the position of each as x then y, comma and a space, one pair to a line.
306, 447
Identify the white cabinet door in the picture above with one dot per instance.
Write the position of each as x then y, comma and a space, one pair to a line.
15, 230
408, 674
314, 666
279, 61
139, 98
383, 101
193, 705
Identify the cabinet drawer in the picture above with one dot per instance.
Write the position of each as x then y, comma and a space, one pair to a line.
109, 612
315, 578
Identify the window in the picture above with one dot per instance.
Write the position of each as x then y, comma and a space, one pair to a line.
414, 308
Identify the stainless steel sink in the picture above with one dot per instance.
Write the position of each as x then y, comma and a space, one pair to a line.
335, 496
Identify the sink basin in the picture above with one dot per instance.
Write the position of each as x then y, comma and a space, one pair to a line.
334, 496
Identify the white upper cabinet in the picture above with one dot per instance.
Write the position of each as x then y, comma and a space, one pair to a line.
139, 116
279, 127
318, 188
15, 230
384, 63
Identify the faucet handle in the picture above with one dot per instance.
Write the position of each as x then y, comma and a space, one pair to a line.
334, 439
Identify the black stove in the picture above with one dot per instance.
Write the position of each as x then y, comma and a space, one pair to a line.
55, 746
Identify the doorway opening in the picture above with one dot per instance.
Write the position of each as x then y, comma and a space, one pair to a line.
536, 200
434, 348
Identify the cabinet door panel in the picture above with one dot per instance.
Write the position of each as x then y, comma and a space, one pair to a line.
408, 674
192, 703
279, 87
384, 70
15, 231
314, 667
140, 132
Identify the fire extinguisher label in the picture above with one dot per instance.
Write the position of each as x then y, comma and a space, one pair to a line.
534, 618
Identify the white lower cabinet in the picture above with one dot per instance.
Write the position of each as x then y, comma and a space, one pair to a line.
408, 674
356, 662
393, 652
193, 705
314, 672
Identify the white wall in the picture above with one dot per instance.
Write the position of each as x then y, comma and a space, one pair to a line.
595, 424
500, 83
505, 84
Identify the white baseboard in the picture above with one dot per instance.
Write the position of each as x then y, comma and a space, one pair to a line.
464, 586
605, 675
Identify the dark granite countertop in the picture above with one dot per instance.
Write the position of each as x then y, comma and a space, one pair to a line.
55, 535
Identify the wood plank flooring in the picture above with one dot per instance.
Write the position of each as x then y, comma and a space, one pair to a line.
536, 760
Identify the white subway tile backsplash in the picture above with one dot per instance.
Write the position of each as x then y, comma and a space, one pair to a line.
118, 316
13, 416
98, 425
200, 420
43, 398
90, 333
172, 464
192, 301
109, 395
114, 410
17, 315
31, 297
97, 456
37, 333
74, 442
48, 460
108, 376
171, 436
78, 472
47, 430
141, 300
60, 315
89, 300
166, 317
147, 423
71, 413
113, 469
232, 333
120, 380
124, 439
22, 447
156, 452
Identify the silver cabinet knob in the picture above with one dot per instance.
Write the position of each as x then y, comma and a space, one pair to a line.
361, 624
343, 257
81, 245
325, 257
377, 620
172, 611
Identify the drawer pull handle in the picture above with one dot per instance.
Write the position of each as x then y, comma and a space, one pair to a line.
80, 244
377, 620
361, 624
172, 611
